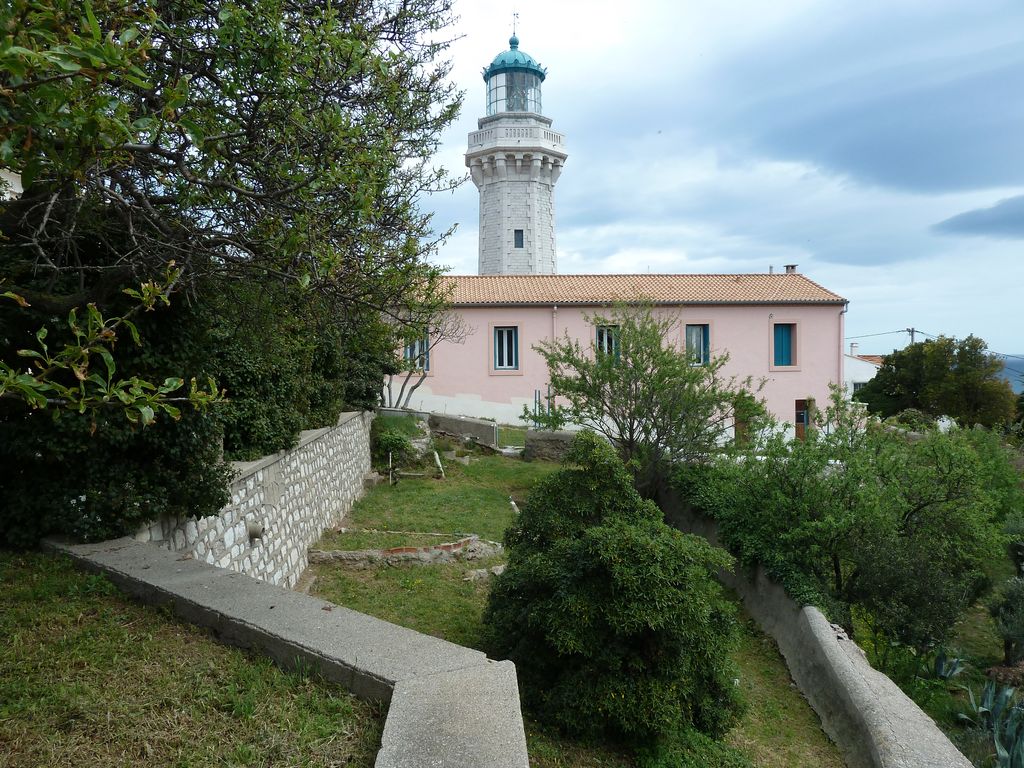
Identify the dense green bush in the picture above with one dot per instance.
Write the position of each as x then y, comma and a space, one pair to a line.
858, 515
914, 419
690, 749
1007, 609
278, 357
275, 352
96, 475
389, 435
614, 620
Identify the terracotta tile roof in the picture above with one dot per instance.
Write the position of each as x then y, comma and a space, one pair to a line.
876, 359
475, 290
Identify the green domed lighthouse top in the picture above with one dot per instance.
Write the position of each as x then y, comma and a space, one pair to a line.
513, 81
514, 60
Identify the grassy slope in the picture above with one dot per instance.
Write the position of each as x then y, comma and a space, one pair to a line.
90, 678
779, 728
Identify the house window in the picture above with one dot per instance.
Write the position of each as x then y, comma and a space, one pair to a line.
506, 348
417, 353
859, 385
607, 341
698, 343
784, 343
517, 235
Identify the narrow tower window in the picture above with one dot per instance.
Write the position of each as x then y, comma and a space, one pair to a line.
517, 236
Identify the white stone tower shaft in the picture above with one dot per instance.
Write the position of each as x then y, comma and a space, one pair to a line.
515, 160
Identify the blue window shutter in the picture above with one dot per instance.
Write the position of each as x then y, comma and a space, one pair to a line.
783, 344
706, 345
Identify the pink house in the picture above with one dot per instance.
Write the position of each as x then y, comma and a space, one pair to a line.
784, 328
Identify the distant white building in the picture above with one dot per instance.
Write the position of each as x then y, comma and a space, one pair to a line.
859, 369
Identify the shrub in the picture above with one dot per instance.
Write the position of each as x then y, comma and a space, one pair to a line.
690, 749
1007, 608
914, 419
856, 515
386, 439
647, 396
614, 620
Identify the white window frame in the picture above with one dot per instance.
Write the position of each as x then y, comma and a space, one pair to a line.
417, 352
606, 339
502, 335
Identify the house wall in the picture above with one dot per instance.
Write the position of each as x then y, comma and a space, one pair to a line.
462, 380
858, 371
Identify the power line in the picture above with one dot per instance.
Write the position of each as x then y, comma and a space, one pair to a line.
913, 331
883, 333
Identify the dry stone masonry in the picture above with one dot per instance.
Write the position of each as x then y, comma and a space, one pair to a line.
280, 505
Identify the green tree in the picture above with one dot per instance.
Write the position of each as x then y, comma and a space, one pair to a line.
275, 151
263, 136
858, 515
615, 620
654, 401
943, 377
1007, 609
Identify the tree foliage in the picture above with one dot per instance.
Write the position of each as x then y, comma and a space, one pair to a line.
273, 151
614, 620
650, 398
288, 136
858, 515
66, 378
943, 377
1007, 609
96, 474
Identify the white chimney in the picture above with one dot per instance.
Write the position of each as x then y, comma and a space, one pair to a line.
853, 348
791, 269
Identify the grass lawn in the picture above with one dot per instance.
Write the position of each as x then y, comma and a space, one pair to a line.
511, 436
474, 499
406, 425
88, 677
779, 728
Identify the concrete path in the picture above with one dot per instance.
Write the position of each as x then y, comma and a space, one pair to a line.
451, 707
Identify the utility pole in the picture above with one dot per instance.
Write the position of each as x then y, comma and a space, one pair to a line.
911, 331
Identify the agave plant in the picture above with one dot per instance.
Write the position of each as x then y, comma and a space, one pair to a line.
989, 708
1008, 736
946, 668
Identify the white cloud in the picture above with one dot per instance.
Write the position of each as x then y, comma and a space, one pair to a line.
732, 135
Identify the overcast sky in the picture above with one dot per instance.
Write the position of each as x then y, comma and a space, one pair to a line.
878, 144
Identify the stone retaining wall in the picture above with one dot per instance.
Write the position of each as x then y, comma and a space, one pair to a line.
874, 724
469, 548
280, 505
547, 445
482, 430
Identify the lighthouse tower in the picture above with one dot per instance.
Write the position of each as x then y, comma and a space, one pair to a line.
515, 159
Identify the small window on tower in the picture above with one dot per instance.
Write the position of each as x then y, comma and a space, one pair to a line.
518, 238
